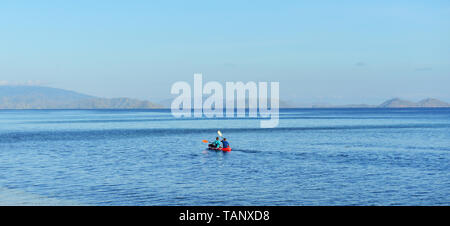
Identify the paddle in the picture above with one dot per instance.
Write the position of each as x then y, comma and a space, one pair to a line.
218, 132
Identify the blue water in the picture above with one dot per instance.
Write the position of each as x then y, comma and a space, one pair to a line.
147, 157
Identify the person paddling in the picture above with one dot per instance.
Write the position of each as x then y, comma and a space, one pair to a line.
215, 144
225, 143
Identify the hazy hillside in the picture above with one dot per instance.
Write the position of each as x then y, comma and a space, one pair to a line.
400, 103
37, 97
392, 103
397, 103
431, 102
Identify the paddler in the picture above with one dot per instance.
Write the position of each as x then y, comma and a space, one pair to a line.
215, 144
225, 143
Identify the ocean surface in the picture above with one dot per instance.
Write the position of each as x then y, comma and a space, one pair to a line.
148, 157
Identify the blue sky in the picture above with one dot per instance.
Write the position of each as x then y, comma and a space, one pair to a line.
319, 51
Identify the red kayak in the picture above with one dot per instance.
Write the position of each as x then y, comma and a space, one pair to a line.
221, 149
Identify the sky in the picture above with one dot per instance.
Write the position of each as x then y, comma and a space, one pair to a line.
339, 52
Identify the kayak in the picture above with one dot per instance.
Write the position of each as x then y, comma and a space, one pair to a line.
221, 149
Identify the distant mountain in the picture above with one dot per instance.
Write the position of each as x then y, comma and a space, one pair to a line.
431, 102
400, 103
397, 103
38, 97
392, 103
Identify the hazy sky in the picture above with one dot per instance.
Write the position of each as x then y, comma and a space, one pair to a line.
319, 51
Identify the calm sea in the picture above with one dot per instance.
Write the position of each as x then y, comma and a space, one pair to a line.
147, 157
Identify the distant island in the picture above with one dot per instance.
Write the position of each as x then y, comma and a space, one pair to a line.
40, 97
392, 103
425, 103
